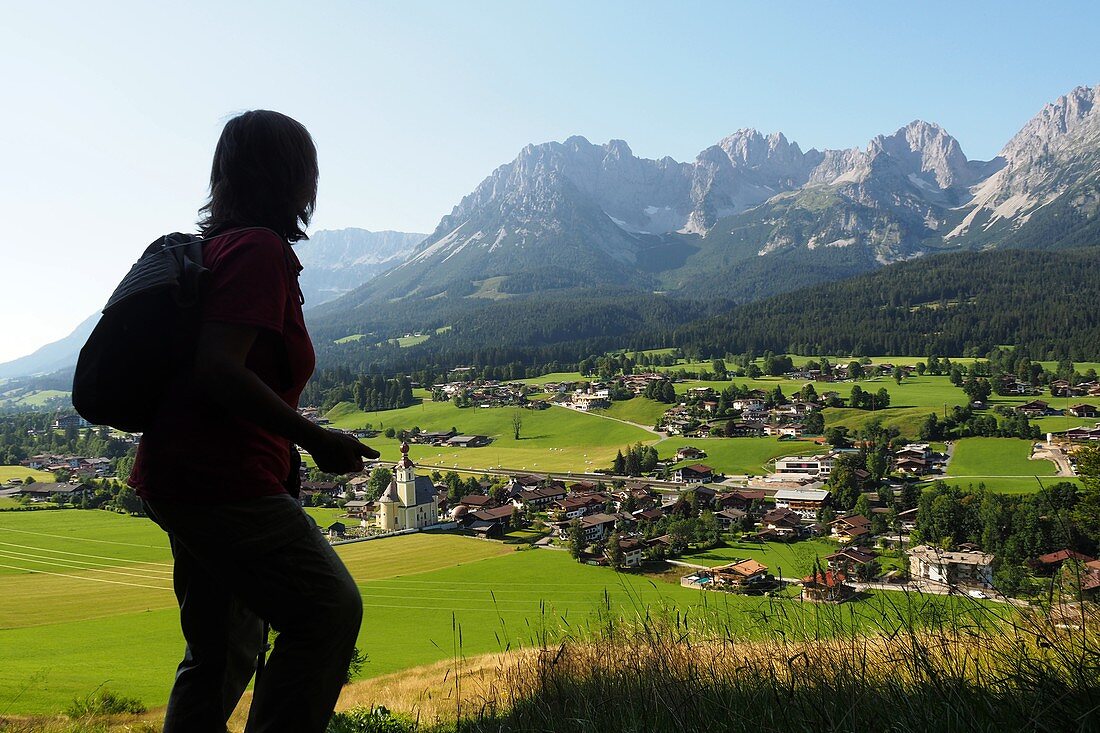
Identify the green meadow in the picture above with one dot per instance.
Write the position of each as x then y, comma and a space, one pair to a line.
1001, 464
739, 456
556, 439
795, 559
555, 377
996, 457
85, 600
7, 473
639, 410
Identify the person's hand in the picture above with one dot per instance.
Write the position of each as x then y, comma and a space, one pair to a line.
338, 453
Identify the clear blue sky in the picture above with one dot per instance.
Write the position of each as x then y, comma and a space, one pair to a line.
112, 109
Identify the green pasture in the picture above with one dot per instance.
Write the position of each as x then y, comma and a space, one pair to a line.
794, 559
1058, 423
556, 439
896, 360
906, 419
86, 600
767, 384
555, 377
738, 455
352, 337
640, 410
406, 341
7, 473
1078, 366
32, 398
324, 516
1006, 457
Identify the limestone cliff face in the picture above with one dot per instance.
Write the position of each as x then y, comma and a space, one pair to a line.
574, 213
336, 261
1055, 157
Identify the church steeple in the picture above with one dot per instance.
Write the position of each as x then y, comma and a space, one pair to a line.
405, 477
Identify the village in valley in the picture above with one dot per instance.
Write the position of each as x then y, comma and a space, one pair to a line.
804, 482
851, 499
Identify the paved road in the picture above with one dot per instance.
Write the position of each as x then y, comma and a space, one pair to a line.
656, 484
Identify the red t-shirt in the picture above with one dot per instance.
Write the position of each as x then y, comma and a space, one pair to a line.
196, 451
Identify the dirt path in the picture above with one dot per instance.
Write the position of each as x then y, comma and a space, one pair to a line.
1058, 457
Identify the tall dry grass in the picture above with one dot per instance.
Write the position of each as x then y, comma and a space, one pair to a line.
1028, 672
913, 666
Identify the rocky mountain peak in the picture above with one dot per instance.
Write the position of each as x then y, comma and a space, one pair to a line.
1071, 115
751, 149
927, 151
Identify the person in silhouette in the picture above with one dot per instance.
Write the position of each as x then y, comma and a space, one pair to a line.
217, 468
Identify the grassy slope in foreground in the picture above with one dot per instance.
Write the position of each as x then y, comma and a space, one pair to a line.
63, 635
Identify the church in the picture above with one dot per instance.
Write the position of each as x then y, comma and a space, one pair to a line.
410, 501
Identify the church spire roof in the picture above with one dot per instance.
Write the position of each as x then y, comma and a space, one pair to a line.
405, 462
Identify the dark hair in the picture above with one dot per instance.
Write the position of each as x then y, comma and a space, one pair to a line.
264, 174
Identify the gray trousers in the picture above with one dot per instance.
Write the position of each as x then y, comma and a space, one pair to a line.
234, 565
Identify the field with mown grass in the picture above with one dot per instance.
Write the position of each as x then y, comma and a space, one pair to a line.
907, 420
7, 473
85, 598
793, 559
640, 410
555, 377
555, 439
739, 456
993, 457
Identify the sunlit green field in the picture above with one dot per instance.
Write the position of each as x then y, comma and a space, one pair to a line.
996, 457
556, 439
638, 410
7, 473
793, 560
85, 599
559, 439
739, 455
555, 377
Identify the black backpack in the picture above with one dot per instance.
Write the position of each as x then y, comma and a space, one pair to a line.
147, 333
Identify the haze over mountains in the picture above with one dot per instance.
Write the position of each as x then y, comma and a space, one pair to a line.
337, 261
754, 215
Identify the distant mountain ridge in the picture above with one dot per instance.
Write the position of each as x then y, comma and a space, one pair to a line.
573, 214
54, 356
336, 261
752, 216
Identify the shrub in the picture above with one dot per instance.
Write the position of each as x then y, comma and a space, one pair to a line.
103, 702
369, 720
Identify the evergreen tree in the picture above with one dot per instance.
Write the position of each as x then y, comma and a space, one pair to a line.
576, 539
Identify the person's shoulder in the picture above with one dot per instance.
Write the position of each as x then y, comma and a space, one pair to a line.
250, 242
251, 237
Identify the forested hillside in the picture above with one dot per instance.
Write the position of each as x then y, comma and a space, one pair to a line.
564, 327
957, 304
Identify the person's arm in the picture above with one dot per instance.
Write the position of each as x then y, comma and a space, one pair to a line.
221, 374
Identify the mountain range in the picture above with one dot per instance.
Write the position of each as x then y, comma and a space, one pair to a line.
336, 261
751, 216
